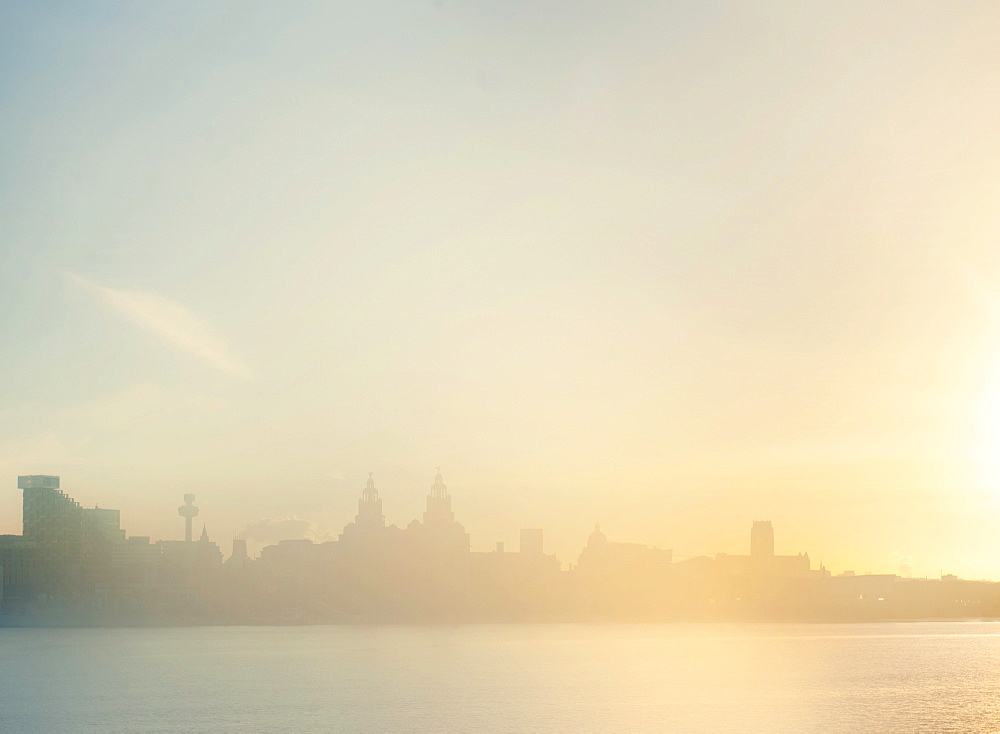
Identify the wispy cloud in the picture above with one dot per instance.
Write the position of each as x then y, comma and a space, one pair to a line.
169, 320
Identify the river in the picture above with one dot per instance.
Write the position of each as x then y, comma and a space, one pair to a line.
929, 676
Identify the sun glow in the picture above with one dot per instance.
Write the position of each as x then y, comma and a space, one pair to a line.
986, 445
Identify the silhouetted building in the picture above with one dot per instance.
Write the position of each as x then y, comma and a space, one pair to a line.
520, 586
53, 522
434, 564
181, 556
73, 546
239, 558
762, 560
623, 579
369, 523
440, 531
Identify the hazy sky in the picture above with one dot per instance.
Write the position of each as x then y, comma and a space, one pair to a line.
666, 266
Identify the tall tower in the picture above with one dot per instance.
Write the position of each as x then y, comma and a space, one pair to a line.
440, 530
438, 511
761, 544
188, 511
370, 507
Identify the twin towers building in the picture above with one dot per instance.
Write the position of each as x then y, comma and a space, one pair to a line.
375, 570
439, 530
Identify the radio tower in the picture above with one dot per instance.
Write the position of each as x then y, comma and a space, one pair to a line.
187, 511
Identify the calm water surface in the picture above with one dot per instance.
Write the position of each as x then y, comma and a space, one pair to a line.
938, 676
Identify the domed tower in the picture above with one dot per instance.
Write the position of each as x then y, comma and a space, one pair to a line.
597, 538
595, 554
188, 511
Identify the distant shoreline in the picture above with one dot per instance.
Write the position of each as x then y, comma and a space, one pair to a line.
11, 624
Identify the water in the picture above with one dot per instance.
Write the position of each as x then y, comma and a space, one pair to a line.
938, 676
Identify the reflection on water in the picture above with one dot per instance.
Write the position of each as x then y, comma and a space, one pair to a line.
939, 676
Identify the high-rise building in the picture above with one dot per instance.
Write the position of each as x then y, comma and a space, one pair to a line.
48, 516
73, 544
53, 523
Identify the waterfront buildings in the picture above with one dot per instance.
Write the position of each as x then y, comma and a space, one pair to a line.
77, 565
72, 559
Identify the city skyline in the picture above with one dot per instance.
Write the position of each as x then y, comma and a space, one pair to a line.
75, 565
722, 533
256, 537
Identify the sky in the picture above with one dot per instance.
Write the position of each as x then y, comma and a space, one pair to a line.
670, 267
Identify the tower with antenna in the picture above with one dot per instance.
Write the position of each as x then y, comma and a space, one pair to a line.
188, 511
